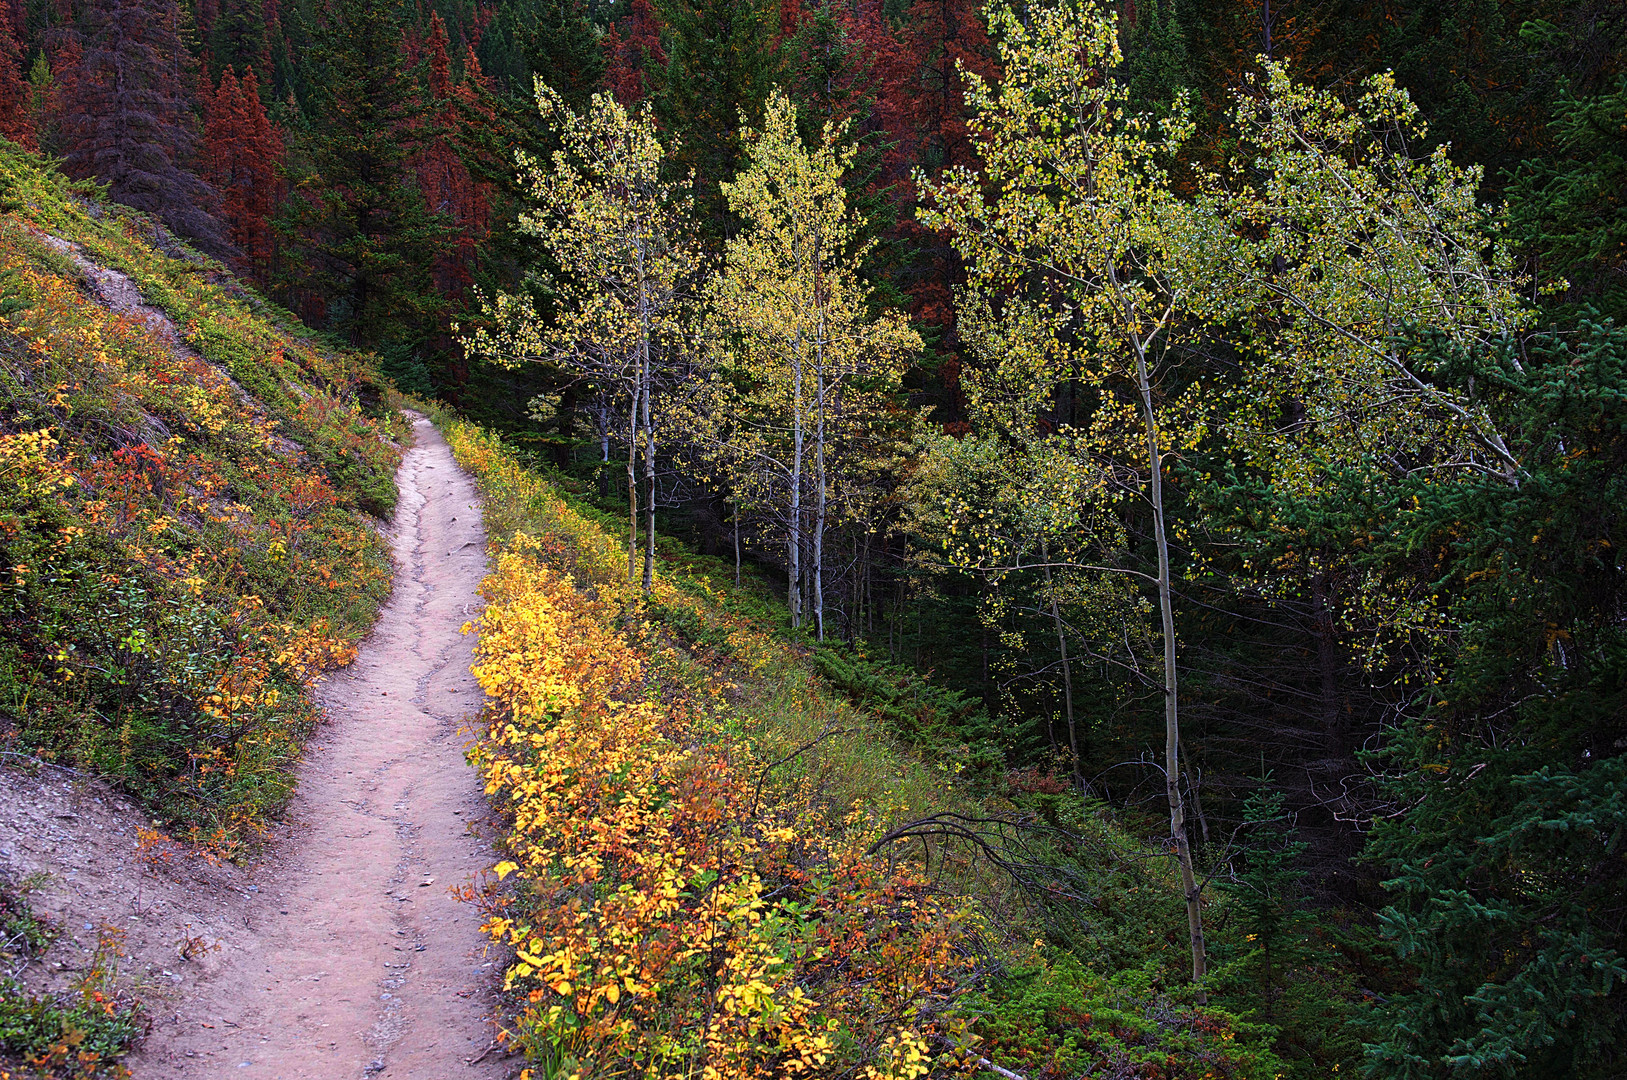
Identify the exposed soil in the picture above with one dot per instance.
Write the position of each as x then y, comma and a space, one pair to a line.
342, 952
117, 292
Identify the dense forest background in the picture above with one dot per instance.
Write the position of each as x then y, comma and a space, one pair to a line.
1402, 696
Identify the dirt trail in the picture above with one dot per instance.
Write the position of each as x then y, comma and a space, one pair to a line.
353, 959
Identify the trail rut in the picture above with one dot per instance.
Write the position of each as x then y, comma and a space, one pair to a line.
354, 960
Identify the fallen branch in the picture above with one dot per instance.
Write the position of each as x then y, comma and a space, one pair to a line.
989, 835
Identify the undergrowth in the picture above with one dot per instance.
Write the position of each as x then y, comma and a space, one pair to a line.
185, 541
82, 1032
726, 858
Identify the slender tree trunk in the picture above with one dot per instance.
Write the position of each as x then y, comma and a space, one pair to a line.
1193, 777
794, 543
603, 410
819, 512
869, 590
1067, 671
649, 485
1166, 609
737, 545
1335, 721
567, 428
632, 487
819, 443
647, 378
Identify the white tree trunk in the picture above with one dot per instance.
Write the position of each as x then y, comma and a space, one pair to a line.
1172, 714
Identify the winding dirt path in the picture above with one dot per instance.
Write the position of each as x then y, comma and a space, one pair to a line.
354, 960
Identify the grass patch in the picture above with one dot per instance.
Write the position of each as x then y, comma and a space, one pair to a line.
81, 1033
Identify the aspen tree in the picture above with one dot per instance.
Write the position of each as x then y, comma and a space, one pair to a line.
1083, 266
1356, 238
620, 237
798, 359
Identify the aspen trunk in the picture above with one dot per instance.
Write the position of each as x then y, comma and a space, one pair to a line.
794, 541
1172, 714
819, 449
819, 511
646, 378
632, 489
1067, 671
602, 409
649, 485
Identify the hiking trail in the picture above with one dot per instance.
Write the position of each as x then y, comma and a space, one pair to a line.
352, 957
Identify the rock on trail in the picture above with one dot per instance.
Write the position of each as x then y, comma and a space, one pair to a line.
353, 959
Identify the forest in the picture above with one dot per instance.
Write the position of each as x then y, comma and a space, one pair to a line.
1203, 413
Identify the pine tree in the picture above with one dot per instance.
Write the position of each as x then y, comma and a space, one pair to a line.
129, 121
449, 189
361, 234
1265, 884
1154, 55
943, 41
633, 53
238, 37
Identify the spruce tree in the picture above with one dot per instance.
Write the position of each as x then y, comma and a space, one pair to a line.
548, 39
239, 37
16, 123
129, 119
1154, 55
1266, 887
361, 235
242, 151
721, 64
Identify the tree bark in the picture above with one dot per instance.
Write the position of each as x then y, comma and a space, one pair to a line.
649, 483
794, 541
819, 511
1166, 608
646, 378
819, 449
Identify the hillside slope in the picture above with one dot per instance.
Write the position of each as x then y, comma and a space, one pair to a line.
185, 512
718, 864
190, 487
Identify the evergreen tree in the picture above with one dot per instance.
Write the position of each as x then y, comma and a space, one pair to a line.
1568, 208
721, 64
363, 239
1508, 772
551, 40
1154, 55
633, 53
129, 121
449, 188
16, 121
1265, 884
239, 37
242, 152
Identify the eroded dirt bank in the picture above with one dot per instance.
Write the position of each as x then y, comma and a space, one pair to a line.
352, 958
